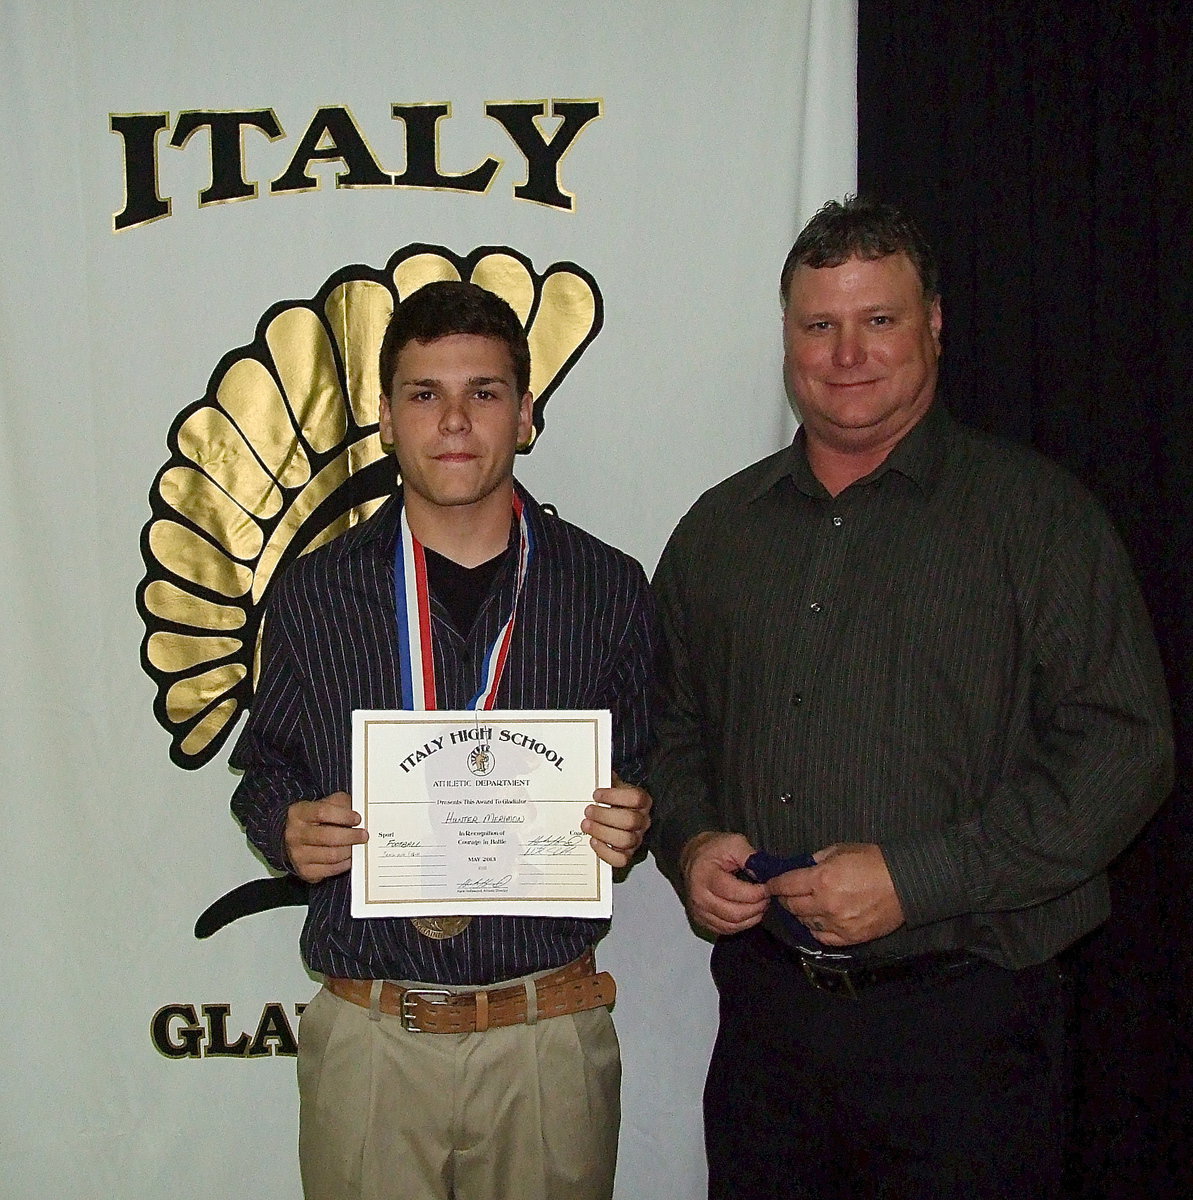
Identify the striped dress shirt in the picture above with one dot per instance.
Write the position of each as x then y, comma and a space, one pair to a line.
584, 638
950, 658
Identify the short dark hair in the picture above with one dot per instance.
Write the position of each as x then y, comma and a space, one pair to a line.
860, 228
448, 306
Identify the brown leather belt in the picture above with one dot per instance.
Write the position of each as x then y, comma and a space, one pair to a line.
574, 988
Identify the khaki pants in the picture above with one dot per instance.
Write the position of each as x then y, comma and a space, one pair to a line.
526, 1112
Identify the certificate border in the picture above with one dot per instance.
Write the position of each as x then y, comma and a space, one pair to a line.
364, 904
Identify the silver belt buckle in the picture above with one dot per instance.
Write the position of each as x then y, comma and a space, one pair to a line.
407, 1015
819, 975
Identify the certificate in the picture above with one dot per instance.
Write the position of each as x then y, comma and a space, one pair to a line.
478, 813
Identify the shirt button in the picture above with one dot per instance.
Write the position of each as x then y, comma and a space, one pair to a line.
798, 699
838, 521
815, 606
785, 798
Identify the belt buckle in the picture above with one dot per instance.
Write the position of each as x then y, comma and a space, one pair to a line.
819, 975
407, 1014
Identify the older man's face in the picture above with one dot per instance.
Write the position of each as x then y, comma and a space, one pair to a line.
860, 351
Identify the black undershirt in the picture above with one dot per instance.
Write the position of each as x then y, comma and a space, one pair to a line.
461, 590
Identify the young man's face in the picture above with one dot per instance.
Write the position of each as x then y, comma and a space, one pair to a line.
455, 418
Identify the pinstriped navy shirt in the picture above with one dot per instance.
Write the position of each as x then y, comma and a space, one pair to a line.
584, 638
950, 658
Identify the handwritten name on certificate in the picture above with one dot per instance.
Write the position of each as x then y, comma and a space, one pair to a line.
478, 813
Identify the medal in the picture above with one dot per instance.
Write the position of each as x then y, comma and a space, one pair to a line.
440, 928
412, 600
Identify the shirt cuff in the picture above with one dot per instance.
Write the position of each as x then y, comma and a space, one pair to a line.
267, 831
668, 838
926, 876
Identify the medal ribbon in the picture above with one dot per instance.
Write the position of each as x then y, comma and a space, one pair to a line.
412, 600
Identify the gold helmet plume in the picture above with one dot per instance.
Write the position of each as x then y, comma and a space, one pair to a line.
282, 454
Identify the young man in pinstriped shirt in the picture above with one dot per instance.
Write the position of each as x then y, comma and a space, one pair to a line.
525, 1101
917, 654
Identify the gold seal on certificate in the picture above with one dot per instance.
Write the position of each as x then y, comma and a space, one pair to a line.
477, 813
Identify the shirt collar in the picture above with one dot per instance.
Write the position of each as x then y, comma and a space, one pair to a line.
919, 456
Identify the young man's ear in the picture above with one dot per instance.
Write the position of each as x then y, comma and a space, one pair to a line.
385, 422
525, 420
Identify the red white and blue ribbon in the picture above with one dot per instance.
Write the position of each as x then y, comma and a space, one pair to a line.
413, 603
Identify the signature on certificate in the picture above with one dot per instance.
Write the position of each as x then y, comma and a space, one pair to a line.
473, 887
551, 843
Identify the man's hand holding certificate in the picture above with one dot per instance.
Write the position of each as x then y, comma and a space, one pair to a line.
475, 813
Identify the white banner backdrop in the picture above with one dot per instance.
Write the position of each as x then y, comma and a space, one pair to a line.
171, 175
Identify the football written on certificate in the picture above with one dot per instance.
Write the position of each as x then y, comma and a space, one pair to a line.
478, 813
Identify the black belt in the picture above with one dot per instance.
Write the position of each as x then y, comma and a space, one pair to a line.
849, 976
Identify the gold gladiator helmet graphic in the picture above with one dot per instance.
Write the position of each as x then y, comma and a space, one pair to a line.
282, 454
480, 761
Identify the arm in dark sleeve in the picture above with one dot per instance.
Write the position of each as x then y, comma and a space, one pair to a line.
680, 777
270, 750
633, 685
1096, 760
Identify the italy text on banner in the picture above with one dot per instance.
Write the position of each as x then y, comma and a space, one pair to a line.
210, 212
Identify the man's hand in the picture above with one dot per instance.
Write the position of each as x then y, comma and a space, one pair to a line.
846, 898
717, 899
617, 821
320, 835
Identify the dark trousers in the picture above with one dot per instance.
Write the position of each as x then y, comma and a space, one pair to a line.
954, 1085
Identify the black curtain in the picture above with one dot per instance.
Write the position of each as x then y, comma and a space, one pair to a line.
1046, 150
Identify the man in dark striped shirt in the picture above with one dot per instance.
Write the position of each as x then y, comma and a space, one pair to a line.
918, 655
505, 1081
